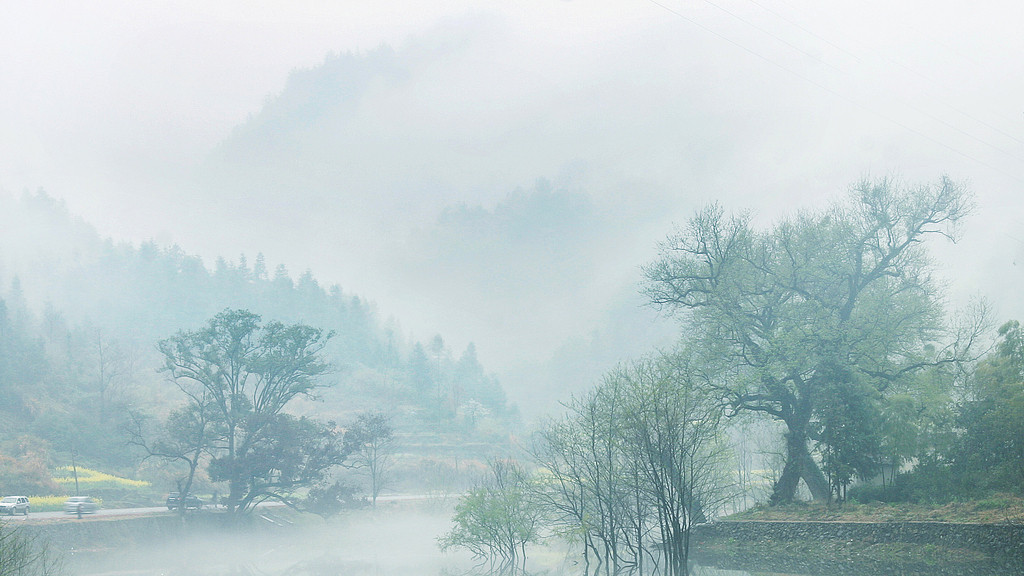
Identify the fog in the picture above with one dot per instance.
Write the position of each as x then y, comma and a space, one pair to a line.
388, 540
498, 172
493, 172
361, 543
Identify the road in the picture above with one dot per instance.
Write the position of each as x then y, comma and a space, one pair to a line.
51, 516
41, 517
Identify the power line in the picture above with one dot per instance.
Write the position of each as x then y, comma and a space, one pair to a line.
891, 61
776, 37
798, 26
831, 91
817, 58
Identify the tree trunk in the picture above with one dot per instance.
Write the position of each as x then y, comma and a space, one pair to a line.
799, 464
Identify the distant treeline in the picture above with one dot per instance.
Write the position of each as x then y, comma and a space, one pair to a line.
80, 316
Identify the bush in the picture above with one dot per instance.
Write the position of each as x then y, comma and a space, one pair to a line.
496, 519
21, 555
930, 482
330, 500
25, 476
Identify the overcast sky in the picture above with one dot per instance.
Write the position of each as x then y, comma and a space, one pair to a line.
128, 110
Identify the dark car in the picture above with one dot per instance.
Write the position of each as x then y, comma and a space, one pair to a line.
191, 502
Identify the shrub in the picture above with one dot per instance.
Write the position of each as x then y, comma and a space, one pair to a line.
26, 475
930, 482
23, 555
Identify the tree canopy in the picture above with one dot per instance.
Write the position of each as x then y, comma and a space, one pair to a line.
990, 451
816, 309
240, 374
371, 439
634, 465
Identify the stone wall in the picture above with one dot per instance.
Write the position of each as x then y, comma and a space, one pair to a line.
93, 533
100, 532
1004, 539
862, 548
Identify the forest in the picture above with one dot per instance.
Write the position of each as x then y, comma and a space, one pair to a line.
82, 373
824, 336
816, 360
560, 288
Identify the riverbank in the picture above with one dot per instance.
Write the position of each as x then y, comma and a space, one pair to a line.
849, 557
997, 509
392, 538
965, 538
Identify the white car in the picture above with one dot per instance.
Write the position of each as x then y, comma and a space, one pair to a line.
83, 504
14, 504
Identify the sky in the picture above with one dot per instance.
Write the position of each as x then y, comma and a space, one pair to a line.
156, 120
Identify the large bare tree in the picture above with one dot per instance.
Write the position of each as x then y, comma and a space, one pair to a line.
824, 300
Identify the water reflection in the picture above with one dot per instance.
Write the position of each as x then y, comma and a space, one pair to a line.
369, 542
399, 541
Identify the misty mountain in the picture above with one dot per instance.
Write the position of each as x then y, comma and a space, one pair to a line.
453, 189
541, 246
339, 141
331, 92
550, 247
331, 142
382, 167
66, 285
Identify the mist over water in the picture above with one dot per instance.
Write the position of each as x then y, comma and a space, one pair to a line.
397, 539
392, 539
385, 540
466, 194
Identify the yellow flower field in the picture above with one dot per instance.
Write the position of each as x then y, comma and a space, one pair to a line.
94, 479
51, 503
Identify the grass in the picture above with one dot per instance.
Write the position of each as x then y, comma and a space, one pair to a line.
90, 482
100, 485
999, 509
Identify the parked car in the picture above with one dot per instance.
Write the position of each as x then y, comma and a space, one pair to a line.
191, 502
14, 504
85, 504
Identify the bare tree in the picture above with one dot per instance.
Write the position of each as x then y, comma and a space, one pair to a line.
371, 438
186, 437
23, 555
634, 465
672, 429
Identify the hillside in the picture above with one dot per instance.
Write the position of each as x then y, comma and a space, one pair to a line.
376, 167
80, 317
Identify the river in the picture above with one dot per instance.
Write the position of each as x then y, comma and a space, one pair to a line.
391, 540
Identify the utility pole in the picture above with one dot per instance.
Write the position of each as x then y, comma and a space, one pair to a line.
74, 468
